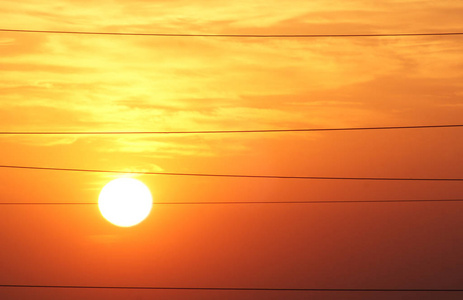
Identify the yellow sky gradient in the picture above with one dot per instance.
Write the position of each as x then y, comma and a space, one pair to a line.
57, 82
65, 82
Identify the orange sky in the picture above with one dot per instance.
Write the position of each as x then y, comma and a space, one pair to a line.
84, 83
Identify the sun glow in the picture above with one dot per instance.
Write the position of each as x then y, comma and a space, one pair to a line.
125, 202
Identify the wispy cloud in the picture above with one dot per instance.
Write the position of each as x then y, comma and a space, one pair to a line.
64, 82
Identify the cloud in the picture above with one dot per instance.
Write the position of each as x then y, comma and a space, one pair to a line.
68, 82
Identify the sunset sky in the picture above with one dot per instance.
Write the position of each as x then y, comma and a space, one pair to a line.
65, 82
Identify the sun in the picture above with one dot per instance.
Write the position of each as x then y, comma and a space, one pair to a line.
125, 202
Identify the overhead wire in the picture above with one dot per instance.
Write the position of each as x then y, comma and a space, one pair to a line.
250, 202
235, 35
227, 131
232, 175
224, 288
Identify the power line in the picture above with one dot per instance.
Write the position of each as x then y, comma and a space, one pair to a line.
247, 202
225, 131
237, 35
233, 175
221, 288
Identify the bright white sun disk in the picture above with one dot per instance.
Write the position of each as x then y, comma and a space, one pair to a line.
125, 202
